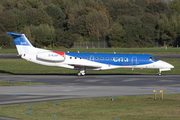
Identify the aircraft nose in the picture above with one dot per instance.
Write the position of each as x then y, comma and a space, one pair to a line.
167, 65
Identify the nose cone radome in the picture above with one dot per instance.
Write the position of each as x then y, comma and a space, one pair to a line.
166, 65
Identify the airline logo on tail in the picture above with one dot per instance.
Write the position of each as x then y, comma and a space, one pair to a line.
20, 39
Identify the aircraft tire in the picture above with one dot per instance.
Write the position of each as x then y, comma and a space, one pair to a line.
82, 74
79, 74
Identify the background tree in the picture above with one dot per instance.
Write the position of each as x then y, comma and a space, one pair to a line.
58, 17
116, 36
168, 30
65, 38
118, 8
158, 8
6, 41
175, 6
43, 34
75, 8
97, 24
12, 20
92, 20
131, 25
79, 26
37, 17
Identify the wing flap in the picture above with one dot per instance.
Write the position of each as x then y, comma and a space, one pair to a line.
87, 66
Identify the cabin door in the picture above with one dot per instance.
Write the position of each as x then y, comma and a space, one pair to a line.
134, 61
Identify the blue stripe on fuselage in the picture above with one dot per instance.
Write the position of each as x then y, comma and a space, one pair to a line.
118, 59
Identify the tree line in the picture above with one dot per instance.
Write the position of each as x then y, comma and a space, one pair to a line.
122, 23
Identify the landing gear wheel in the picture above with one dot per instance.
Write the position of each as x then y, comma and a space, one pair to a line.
159, 74
82, 71
82, 74
79, 74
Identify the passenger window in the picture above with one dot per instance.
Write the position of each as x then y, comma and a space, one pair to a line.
80, 57
121, 59
112, 58
70, 57
75, 57
125, 59
92, 58
102, 58
107, 58
116, 58
96, 58
86, 58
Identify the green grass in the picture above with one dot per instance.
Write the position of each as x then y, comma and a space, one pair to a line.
153, 51
8, 52
6, 83
20, 66
124, 108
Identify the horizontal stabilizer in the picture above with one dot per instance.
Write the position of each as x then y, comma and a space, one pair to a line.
14, 34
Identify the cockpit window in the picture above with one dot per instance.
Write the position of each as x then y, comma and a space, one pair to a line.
155, 58
152, 58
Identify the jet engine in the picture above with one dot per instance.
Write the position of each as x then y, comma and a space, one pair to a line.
51, 56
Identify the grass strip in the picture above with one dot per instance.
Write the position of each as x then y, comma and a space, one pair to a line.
153, 51
123, 107
6, 83
20, 66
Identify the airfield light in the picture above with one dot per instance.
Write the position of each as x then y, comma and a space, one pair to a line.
112, 98
161, 91
155, 94
28, 112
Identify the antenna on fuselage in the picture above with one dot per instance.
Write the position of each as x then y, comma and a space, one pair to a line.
114, 52
67, 51
78, 51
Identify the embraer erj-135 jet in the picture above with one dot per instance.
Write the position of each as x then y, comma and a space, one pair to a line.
86, 61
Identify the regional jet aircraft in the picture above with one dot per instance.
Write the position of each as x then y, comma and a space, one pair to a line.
86, 61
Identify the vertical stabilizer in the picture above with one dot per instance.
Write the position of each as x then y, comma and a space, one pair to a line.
23, 45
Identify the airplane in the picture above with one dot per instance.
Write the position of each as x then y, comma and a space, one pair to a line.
86, 61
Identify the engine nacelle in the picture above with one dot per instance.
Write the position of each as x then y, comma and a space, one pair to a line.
52, 56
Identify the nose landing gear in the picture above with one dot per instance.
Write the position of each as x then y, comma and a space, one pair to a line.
159, 73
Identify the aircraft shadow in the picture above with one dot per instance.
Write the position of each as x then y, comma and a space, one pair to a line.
6, 72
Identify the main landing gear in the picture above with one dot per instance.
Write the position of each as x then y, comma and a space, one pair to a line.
82, 72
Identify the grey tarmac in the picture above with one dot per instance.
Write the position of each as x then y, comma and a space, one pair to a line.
63, 87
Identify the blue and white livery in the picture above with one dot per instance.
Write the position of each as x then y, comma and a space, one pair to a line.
86, 61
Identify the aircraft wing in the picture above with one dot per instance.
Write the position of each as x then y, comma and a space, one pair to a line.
86, 66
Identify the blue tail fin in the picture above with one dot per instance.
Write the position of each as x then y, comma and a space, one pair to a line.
22, 43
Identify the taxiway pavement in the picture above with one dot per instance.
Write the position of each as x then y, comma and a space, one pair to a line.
61, 87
